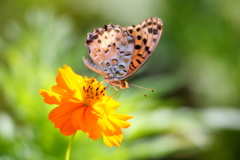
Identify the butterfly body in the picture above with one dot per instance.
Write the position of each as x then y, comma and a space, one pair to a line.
118, 52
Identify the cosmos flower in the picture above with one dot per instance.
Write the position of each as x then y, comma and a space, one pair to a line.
83, 105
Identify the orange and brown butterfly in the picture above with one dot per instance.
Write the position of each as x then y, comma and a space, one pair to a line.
119, 52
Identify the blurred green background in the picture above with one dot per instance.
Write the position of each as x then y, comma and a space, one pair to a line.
193, 114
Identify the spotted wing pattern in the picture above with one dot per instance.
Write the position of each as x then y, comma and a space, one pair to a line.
118, 52
146, 37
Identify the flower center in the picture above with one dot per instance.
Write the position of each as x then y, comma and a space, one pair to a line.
94, 89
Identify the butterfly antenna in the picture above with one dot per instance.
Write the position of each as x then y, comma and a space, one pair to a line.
141, 87
134, 87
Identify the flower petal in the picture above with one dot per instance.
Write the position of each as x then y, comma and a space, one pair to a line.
61, 116
111, 104
84, 119
69, 82
106, 125
112, 140
50, 97
120, 120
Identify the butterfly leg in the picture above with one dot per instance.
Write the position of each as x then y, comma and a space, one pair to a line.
114, 87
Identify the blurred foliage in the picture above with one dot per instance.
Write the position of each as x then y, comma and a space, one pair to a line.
193, 114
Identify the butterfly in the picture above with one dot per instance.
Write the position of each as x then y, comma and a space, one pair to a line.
118, 52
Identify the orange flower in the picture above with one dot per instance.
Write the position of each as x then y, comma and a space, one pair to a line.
83, 105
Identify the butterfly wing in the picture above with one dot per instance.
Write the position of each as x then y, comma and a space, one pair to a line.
111, 50
91, 65
118, 52
146, 37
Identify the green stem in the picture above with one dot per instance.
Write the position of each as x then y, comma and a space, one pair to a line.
70, 147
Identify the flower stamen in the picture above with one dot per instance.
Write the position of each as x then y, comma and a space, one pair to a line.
97, 93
